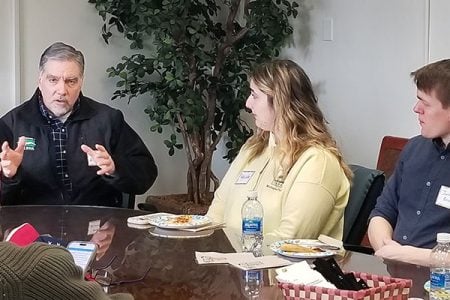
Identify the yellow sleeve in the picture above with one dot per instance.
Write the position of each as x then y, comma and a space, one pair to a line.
216, 210
316, 198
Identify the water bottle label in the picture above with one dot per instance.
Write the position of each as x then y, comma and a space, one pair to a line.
437, 280
251, 225
253, 275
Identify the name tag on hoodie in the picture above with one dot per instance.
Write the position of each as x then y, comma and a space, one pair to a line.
245, 177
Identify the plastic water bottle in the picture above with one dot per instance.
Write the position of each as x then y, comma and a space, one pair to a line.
252, 224
440, 268
252, 282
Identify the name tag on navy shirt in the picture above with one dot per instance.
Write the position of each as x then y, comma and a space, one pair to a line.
443, 198
244, 177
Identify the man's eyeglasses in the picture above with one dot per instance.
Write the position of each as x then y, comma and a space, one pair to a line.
104, 278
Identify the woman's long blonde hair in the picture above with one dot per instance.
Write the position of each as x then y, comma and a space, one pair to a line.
299, 122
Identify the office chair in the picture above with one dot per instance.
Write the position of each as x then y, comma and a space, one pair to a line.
367, 185
147, 207
128, 200
390, 149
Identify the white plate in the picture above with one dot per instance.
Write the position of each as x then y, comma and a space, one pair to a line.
275, 247
426, 286
139, 226
178, 234
180, 221
145, 219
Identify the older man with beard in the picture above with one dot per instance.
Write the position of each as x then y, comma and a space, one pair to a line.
62, 148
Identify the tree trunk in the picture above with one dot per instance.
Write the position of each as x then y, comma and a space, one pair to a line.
199, 179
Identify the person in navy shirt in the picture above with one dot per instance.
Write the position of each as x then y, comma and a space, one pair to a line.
415, 203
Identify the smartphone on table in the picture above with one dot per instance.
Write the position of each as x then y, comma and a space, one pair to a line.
83, 253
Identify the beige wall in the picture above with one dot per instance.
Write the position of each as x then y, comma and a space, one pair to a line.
9, 63
361, 76
439, 29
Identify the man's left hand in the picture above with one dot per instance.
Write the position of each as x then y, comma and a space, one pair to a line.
409, 254
390, 250
102, 158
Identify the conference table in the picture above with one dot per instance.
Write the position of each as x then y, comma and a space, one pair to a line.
152, 267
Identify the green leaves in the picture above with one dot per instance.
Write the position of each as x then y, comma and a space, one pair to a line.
172, 144
191, 64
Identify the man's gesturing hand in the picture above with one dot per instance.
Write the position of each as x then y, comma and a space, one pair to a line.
11, 159
102, 158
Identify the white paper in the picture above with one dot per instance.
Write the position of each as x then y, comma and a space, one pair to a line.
262, 262
331, 241
242, 260
220, 258
206, 227
301, 273
91, 161
93, 227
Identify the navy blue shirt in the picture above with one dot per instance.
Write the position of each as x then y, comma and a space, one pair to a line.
408, 199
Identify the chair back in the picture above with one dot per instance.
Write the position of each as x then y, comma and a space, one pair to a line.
390, 149
128, 200
367, 185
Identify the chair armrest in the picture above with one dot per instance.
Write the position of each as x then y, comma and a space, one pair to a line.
147, 207
359, 248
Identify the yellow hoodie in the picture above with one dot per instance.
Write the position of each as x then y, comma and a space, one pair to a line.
310, 201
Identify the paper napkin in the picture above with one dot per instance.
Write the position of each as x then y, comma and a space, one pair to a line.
301, 273
206, 227
261, 262
242, 260
220, 258
331, 241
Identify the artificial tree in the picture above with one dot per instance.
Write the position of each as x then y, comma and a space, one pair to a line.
192, 59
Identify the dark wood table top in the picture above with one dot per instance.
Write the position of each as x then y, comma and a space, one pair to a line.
173, 271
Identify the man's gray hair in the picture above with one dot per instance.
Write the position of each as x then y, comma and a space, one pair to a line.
61, 52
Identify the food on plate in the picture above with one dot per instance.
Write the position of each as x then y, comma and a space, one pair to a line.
182, 219
299, 249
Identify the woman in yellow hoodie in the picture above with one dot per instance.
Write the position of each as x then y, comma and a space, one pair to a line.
292, 161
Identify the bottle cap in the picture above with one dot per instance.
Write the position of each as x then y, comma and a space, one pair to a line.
443, 237
252, 194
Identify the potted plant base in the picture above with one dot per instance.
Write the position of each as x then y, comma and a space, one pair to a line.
177, 204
